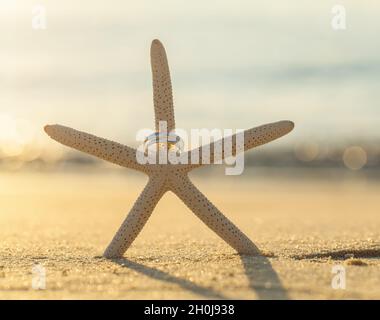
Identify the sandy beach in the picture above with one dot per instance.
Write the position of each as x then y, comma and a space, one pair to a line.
64, 221
308, 71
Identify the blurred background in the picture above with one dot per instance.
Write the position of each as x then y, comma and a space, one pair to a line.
313, 194
234, 64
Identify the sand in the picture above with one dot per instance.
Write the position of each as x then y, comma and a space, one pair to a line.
64, 221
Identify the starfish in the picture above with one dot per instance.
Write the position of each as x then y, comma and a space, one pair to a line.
167, 177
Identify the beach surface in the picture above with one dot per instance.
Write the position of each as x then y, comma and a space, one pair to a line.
63, 221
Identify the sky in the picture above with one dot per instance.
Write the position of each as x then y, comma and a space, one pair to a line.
234, 64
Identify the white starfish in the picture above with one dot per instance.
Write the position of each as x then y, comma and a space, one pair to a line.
166, 177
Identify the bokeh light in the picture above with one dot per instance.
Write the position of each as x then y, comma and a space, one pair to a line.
355, 157
306, 151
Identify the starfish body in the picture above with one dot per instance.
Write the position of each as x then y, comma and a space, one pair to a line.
167, 177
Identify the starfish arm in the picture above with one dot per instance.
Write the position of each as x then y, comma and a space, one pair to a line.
136, 219
162, 87
213, 218
252, 138
102, 148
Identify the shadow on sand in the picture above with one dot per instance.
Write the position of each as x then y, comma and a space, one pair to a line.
164, 276
263, 279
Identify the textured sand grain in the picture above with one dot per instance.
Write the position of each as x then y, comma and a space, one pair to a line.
65, 220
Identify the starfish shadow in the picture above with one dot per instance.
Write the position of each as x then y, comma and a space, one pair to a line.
164, 276
263, 279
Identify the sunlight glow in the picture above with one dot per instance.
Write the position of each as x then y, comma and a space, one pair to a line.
16, 136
